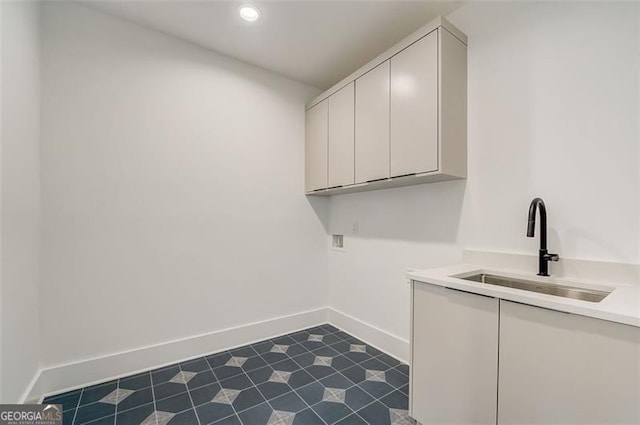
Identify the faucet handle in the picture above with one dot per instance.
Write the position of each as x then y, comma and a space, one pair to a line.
551, 257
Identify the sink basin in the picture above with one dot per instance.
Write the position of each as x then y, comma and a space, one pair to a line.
583, 294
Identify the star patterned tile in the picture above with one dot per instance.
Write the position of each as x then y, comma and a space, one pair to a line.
182, 377
236, 361
281, 418
280, 376
116, 396
158, 418
357, 348
316, 376
375, 376
322, 361
226, 396
400, 417
279, 348
334, 395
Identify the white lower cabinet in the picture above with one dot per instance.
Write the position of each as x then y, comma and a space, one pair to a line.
480, 360
454, 357
560, 368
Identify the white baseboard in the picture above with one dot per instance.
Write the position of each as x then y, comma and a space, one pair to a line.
67, 377
28, 396
70, 376
383, 340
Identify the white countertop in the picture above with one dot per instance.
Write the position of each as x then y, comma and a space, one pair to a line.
621, 306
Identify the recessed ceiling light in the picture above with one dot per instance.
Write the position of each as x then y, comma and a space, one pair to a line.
249, 13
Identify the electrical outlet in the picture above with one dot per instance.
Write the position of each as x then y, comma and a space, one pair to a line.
355, 228
337, 242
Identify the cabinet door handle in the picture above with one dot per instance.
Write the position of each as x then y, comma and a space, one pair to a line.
404, 175
468, 292
535, 306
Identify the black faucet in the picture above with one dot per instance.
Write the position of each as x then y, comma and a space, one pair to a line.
543, 256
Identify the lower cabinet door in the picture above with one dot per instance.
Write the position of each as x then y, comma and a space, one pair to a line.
454, 357
560, 368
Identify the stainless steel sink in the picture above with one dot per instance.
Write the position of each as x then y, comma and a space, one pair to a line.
583, 294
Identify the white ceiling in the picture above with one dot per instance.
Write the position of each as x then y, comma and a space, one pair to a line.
315, 42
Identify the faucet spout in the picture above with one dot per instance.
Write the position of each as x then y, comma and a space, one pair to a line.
531, 228
537, 204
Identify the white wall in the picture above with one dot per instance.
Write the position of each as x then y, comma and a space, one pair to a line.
19, 198
557, 95
172, 181
172, 177
553, 112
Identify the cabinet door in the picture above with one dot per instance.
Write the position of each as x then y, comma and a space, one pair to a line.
560, 368
414, 108
454, 356
372, 124
315, 147
341, 137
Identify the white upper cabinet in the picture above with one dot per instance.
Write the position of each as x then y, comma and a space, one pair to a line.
315, 147
414, 108
399, 120
341, 137
372, 125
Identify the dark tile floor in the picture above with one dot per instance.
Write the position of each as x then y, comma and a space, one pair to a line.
318, 376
